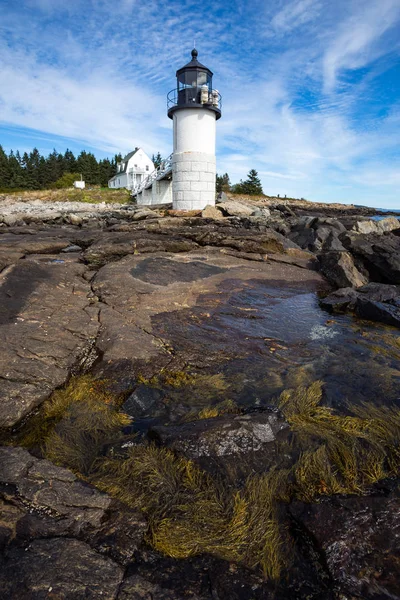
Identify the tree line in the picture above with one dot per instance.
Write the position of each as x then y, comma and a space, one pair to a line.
35, 172
251, 186
32, 171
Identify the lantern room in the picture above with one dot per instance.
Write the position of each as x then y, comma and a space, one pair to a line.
194, 89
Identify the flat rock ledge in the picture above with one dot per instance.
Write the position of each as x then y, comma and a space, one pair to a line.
60, 537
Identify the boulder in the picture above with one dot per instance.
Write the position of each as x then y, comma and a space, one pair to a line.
374, 301
340, 270
379, 253
332, 242
317, 233
73, 219
231, 208
329, 222
141, 214
13, 220
303, 236
145, 401
340, 301
211, 212
222, 197
379, 227
222, 436
378, 311
263, 213
360, 539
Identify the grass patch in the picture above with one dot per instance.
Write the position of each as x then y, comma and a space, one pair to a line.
95, 195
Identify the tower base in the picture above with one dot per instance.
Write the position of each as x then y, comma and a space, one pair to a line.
193, 180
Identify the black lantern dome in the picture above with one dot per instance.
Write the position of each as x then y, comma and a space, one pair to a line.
194, 89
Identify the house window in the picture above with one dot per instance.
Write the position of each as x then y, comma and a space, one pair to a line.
147, 167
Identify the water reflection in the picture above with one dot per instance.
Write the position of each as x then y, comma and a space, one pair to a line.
266, 338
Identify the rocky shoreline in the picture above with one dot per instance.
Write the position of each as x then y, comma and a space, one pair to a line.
195, 323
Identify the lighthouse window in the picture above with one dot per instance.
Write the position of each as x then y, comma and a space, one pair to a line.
201, 79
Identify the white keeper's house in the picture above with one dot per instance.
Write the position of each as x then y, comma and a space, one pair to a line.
132, 170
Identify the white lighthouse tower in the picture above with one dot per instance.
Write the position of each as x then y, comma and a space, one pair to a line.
194, 108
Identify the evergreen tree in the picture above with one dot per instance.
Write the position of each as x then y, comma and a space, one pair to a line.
87, 165
42, 173
157, 160
69, 162
30, 163
61, 166
34, 171
106, 171
252, 186
54, 167
4, 170
223, 183
15, 170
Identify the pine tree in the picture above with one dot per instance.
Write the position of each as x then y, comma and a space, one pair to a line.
87, 165
4, 170
223, 183
157, 160
106, 171
16, 172
30, 164
252, 186
54, 167
42, 173
69, 161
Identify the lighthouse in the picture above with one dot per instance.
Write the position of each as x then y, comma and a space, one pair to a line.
194, 107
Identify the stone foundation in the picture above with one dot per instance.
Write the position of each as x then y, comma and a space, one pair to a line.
193, 180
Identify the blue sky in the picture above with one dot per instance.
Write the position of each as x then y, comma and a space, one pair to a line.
311, 88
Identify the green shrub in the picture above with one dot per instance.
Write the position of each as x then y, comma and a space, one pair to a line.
67, 180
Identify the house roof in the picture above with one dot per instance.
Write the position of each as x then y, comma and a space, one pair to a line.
128, 156
124, 161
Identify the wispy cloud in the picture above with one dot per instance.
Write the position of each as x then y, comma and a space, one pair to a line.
358, 39
295, 14
299, 78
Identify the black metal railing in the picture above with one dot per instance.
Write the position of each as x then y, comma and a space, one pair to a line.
192, 96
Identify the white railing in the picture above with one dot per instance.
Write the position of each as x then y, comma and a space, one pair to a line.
158, 173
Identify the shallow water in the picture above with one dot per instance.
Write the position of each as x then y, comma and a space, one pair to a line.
266, 338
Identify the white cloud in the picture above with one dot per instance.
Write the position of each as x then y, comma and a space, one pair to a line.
100, 75
295, 14
101, 109
356, 43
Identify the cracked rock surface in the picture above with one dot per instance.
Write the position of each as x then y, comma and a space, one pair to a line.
58, 532
47, 325
139, 298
